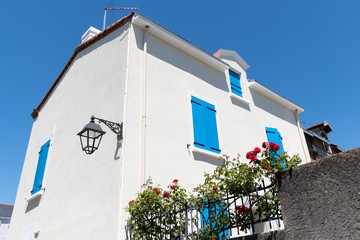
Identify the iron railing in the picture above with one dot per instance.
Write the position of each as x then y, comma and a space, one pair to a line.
230, 216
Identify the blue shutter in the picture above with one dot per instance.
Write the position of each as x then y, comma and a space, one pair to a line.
40, 169
198, 123
213, 208
205, 126
235, 83
274, 136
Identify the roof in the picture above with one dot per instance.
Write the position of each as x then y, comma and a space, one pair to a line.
326, 126
312, 134
223, 53
121, 22
6, 210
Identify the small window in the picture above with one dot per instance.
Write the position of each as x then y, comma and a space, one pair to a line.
40, 169
235, 83
204, 124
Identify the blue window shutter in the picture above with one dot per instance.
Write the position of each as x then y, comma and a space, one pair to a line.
205, 127
198, 123
235, 83
40, 169
205, 217
211, 127
274, 136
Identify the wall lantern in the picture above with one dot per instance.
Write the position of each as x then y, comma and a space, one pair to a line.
90, 136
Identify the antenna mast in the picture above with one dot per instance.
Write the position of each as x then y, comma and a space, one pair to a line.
116, 8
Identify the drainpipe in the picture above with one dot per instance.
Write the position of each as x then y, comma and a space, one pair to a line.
302, 138
143, 114
121, 183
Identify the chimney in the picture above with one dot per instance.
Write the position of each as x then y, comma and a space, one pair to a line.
90, 33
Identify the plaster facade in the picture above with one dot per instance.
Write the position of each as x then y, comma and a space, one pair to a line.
144, 78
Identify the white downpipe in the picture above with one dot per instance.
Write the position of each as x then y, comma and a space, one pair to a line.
121, 183
143, 115
302, 138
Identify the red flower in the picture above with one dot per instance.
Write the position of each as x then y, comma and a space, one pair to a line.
131, 202
156, 190
274, 146
253, 158
166, 194
242, 209
175, 180
215, 188
249, 154
254, 170
265, 145
257, 150
173, 186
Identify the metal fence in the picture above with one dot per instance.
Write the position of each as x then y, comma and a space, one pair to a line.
229, 216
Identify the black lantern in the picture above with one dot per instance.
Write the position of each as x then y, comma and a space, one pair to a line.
90, 136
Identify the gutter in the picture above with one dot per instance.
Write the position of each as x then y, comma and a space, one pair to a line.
143, 113
179, 42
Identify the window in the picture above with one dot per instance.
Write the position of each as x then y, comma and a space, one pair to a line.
40, 169
274, 136
235, 83
204, 124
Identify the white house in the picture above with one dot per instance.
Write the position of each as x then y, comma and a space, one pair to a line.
5, 217
180, 108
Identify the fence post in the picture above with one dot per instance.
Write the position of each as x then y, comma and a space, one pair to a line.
186, 222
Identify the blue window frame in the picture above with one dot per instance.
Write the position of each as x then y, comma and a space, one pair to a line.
235, 83
205, 127
40, 169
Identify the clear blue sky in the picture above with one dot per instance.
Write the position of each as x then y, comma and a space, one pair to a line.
308, 51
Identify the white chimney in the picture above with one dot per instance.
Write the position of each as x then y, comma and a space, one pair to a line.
90, 33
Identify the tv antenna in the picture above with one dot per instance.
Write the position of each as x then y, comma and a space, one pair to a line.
116, 8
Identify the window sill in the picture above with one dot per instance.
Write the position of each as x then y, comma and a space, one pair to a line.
240, 99
206, 153
36, 195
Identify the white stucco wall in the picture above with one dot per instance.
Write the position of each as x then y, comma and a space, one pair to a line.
82, 191
172, 76
4, 228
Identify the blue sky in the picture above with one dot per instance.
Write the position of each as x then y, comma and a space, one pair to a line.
307, 50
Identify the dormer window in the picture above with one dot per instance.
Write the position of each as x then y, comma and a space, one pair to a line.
235, 83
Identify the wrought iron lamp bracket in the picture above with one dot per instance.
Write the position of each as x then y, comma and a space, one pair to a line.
115, 127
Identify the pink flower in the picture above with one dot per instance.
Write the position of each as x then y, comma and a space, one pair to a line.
242, 209
265, 145
175, 180
166, 194
131, 202
172, 186
215, 188
257, 150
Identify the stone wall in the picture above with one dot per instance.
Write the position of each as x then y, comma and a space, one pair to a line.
320, 200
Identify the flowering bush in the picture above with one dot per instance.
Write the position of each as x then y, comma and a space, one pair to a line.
232, 177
